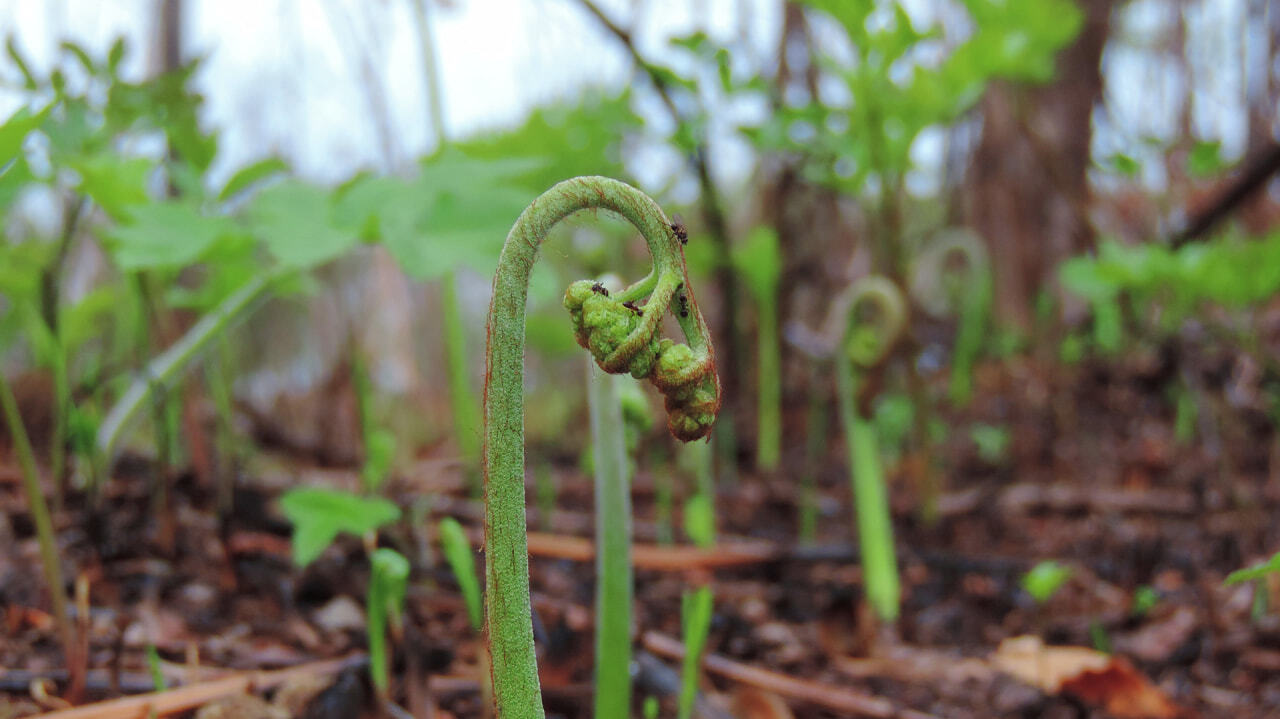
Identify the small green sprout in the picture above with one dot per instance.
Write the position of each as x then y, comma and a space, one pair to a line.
992, 442
380, 451
457, 552
387, 586
1145, 598
700, 520
1045, 579
158, 682
1257, 571
695, 618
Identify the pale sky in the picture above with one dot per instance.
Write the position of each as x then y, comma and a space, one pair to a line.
284, 75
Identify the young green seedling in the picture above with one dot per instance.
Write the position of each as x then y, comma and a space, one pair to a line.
1045, 579
1257, 571
695, 606
388, 582
457, 552
623, 336
867, 342
943, 288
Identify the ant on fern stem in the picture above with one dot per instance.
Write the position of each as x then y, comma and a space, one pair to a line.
677, 228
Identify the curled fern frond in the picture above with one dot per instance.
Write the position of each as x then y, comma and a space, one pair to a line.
877, 315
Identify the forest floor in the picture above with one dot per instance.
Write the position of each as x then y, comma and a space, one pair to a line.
1093, 478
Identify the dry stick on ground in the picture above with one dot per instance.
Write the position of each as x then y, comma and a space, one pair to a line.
839, 699
1254, 178
190, 697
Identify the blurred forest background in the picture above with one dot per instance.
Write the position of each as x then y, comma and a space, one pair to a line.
245, 267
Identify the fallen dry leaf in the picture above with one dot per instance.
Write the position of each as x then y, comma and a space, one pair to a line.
240, 706
1107, 681
755, 703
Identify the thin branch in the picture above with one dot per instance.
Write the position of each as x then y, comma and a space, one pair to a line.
1254, 178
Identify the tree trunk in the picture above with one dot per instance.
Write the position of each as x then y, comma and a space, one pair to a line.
1027, 189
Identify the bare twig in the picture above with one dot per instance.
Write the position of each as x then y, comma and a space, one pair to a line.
189, 697
1263, 167
839, 699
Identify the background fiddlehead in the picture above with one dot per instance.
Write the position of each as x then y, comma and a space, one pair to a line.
876, 317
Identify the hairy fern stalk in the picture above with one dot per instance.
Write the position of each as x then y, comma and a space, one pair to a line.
622, 333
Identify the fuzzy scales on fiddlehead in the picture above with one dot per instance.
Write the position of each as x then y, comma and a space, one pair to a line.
617, 334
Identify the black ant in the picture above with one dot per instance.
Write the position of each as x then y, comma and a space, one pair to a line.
684, 305
632, 306
677, 227
599, 289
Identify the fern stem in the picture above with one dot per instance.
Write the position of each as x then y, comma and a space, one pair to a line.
517, 692
613, 540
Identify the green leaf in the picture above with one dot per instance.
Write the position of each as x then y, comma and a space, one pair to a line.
116, 183
1205, 159
456, 212
1258, 571
165, 234
14, 179
80, 55
11, 48
851, 14
992, 442
1124, 165
86, 319
1045, 579
319, 515
14, 132
461, 558
293, 220
251, 175
559, 141
115, 55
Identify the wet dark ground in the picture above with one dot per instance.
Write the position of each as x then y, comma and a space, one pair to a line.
1093, 477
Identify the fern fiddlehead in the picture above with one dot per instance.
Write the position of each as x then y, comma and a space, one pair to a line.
622, 336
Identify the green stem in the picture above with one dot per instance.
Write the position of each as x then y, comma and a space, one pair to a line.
465, 405
166, 367
613, 542
696, 610
510, 627
39, 515
769, 413
61, 407
864, 348
220, 392
871, 500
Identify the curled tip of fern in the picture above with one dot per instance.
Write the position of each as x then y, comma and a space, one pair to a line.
607, 328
